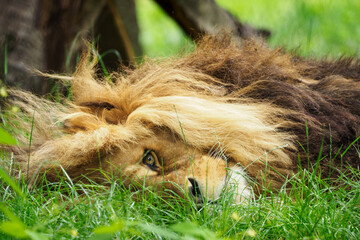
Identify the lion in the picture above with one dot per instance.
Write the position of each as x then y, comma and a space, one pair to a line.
229, 113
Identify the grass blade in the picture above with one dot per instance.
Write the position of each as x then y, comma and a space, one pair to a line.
6, 138
7, 179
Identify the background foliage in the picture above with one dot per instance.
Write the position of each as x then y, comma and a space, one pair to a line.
314, 28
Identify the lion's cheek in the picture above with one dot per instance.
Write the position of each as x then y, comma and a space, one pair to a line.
138, 171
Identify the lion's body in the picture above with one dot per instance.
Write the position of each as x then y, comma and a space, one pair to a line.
222, 105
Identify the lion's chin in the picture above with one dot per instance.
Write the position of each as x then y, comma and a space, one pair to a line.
238, 186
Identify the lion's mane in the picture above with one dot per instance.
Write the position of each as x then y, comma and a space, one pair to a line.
261, 108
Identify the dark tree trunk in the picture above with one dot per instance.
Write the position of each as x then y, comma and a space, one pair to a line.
47, 35
118, 30
197, 17
21, 45
37, 34
65, 24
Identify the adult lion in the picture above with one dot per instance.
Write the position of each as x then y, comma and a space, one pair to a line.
222, 115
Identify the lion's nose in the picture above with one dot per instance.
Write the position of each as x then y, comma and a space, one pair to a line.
194, 189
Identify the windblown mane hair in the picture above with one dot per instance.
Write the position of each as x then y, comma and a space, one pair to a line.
259, 106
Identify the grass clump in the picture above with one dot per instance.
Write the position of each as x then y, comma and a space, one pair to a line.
313, 208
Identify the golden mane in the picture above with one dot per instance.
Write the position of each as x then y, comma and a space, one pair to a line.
221, 98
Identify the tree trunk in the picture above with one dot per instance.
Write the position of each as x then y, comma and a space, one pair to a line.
37, 34
118, 30
197, 17
64, 24
47, 35
21, 45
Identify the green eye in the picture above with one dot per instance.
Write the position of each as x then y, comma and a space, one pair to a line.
150, 159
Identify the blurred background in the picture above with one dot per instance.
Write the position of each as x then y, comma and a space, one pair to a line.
314, 28
49, 35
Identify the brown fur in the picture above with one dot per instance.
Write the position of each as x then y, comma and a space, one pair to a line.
245, 103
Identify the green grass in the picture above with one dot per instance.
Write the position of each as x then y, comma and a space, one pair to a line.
314, 209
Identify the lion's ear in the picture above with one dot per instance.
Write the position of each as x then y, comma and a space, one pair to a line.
105, 111
81, 122
97, 105
113, 116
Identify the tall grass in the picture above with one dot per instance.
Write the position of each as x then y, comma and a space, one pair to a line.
312, 209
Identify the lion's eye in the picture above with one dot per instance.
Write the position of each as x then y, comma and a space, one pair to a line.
150, 159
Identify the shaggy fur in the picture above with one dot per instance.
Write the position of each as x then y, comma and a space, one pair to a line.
234, 103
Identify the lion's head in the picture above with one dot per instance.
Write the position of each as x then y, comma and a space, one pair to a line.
194, 125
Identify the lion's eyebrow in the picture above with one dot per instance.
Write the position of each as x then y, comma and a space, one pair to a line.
98, 104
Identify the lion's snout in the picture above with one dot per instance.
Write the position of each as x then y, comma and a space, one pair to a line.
194, 190
210, 176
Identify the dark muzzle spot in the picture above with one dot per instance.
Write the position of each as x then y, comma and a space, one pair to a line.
194, 189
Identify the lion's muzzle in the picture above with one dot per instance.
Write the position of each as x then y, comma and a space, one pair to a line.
209, 177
